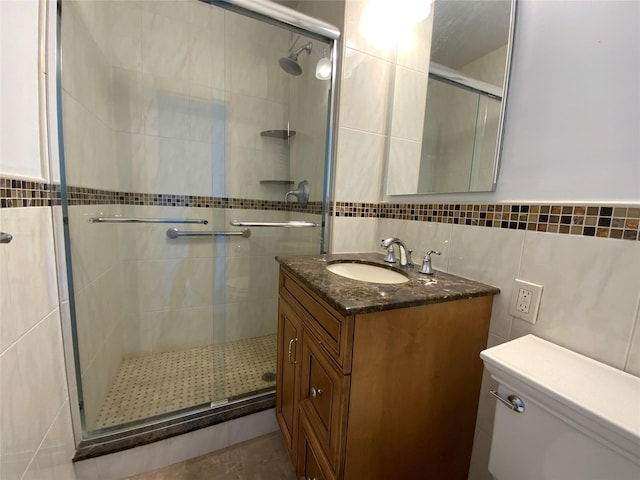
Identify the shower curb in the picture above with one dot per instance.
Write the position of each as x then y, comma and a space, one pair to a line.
108, 443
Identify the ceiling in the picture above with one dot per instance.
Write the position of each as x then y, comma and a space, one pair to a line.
464, 30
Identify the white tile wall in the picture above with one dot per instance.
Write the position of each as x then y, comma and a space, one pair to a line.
354, 39
418, 55
591, 294
365, 92
363, 155
34, 408
99, 309
403, 171
354, 235
31, 229
491, 256
410, 89
174, 114
165, 37
181, 328
129, 106
56, 450
307, 150
194, 291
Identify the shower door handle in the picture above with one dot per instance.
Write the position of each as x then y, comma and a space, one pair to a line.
291, 342
147, 220
174, 233
289, 224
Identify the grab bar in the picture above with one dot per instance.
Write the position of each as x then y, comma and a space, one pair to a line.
175, 233
146, 220
5, 237
291, 224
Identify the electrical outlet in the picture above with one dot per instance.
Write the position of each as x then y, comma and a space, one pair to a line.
525, 300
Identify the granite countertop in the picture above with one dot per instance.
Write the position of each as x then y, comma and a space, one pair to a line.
353, 296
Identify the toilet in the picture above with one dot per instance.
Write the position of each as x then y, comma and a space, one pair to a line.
561, 415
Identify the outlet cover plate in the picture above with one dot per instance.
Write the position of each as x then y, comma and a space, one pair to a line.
534, 305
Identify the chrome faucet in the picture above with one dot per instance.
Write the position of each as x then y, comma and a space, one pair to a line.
403, 251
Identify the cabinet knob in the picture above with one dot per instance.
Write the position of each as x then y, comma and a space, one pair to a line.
314, 478
315, 392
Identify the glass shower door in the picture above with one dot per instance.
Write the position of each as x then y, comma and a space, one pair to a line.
179, 120
276, 135
143, 128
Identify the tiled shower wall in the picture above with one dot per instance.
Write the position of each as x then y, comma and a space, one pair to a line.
558, 148
89, 152
153, 83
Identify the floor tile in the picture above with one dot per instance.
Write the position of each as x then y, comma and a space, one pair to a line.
157, 384
263, 458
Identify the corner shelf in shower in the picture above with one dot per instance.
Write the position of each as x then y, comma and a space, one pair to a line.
281, 134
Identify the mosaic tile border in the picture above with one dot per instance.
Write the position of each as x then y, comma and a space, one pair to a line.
605, 221
90, 196
16, 193
23, 193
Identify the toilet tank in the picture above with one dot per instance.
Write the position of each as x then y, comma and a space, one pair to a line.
581, 418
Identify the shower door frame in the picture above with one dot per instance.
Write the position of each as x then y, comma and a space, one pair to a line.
95, 443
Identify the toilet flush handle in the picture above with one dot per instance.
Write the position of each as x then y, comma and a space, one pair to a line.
512, 401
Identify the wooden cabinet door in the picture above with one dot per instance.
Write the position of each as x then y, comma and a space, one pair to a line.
324, 396
289, 325
312, 464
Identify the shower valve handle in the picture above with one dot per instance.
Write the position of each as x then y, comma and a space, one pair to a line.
301, 193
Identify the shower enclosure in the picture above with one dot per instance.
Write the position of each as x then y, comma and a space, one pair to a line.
190, 159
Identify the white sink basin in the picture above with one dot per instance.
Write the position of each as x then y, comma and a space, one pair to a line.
367, 273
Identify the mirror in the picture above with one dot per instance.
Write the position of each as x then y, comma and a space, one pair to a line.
451, 142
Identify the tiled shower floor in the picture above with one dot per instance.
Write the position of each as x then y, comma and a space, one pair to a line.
165, 382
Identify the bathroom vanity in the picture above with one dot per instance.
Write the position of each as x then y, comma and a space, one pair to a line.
378, 381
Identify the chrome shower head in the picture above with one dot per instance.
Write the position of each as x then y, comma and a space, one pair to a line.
290, 64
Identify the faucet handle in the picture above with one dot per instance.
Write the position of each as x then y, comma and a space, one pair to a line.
301, 193
426, 263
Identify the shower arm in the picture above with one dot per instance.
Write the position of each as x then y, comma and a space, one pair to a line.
308, 47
